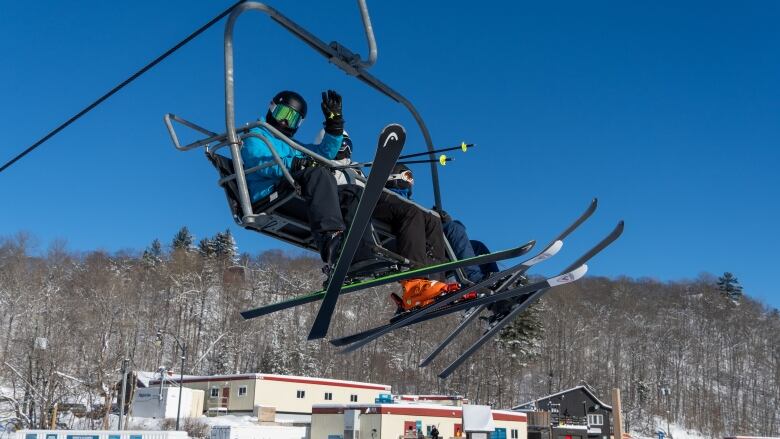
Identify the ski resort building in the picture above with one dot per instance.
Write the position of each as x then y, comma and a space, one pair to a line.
292, 396
577, 413
403, 419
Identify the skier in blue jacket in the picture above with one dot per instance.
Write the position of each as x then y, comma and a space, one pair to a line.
286, 112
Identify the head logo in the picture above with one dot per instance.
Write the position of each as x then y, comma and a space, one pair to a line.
392, 136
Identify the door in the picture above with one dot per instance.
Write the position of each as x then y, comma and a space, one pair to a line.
410, 429
499, 433
225, 397
457, 431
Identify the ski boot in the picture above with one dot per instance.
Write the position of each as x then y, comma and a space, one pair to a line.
423, 292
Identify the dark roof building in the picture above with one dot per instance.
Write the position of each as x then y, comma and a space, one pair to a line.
577, 413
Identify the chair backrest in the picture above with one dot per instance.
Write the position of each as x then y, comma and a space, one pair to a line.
281, 215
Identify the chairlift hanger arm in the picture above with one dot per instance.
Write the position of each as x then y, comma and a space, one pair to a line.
338, 55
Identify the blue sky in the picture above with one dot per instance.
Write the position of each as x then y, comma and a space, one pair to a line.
667, 111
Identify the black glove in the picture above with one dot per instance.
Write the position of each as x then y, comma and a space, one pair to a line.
301, 163
331, 109
445, 217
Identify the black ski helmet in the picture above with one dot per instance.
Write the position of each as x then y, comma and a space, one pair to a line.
292, 100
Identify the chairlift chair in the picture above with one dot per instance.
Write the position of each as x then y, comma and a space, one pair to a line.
282, 214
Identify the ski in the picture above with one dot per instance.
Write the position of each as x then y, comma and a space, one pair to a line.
469, 318
521, 306
504, 295
391, 142
420, 316
410, 316
401, 275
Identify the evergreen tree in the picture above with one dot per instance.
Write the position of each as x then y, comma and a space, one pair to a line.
225, 245
729, 286
153, 254
523, 335
207, 247
183, 240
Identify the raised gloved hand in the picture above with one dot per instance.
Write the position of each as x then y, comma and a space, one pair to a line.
300, 163
331, 109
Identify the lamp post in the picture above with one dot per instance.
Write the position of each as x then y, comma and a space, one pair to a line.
183, 347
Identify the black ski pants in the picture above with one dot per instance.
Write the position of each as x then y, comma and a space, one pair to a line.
320, 192
419, 235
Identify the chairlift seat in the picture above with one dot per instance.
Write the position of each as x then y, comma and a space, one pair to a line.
282, 214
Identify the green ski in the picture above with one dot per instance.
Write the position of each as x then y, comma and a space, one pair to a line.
424, 271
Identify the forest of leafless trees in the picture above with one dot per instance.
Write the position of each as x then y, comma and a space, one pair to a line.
68, 320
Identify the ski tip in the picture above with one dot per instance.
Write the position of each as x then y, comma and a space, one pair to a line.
394, 127
316, 334
528, 246
313, 337
618, 230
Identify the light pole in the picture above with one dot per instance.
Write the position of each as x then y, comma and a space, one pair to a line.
183, 347
125, 363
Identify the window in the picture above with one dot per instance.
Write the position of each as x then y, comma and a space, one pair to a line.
300, 394
595, 419
515, 434
214, 392
242, 391
352, 398
328, 396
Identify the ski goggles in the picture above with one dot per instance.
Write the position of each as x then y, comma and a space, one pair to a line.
346, 147
285, 113
405, 176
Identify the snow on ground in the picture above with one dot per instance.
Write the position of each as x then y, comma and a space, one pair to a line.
231, 420
258, 431
678, 432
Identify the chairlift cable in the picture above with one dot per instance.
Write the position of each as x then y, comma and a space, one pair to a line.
127, 81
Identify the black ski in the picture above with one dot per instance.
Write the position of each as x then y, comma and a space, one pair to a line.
420, 316
523, 304
504, 295
411, 316
394, 277
473, 315
391, 142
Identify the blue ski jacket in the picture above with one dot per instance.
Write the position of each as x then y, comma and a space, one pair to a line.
254, 152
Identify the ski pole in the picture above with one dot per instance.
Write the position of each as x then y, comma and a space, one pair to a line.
442, 160
463, 147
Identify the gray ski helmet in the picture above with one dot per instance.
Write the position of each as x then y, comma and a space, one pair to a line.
345, 150
401, 178
286, 112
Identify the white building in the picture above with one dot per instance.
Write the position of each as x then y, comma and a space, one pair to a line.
154, 403
289, 395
